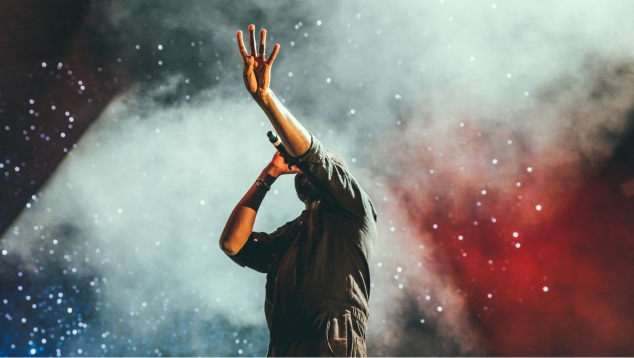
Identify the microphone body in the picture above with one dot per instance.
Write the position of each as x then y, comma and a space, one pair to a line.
277, 143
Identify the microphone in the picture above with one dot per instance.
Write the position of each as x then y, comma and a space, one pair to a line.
277, 143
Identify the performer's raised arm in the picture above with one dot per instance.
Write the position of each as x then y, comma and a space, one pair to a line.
240, 224
330, 178
257, 76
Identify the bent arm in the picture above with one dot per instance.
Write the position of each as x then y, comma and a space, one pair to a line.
240, 224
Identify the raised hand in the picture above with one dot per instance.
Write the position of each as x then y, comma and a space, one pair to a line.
257, 70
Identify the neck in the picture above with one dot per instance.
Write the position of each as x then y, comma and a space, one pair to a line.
311, 205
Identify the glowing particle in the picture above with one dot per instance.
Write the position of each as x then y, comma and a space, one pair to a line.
494, 161
545, 288
518, 184
318, 22
292, 43
494, 6
392, 229
239, 351
43, 64
489, 295
400, 285
422, 321
529, 169
472, 59
421, 247
435, 226
32, 350
431, 171
538, 207
461, 124
460, 237
428, 297
202, 202
158, 243
439, 309
160, 63
352, 111
70, 310
160, 47
508, 75
358, 16
328, 80
490, 262
493, 219
464, 254
396, 277
526, 93
119, 211
509, 141
380, 264
143, 304
484, 192
399, 269
137, 47
4, 252
290, 74
515, 234
518, 245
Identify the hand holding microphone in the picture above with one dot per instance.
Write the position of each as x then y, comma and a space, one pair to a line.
277, 143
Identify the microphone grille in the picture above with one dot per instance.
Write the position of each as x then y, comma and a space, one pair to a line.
272, 136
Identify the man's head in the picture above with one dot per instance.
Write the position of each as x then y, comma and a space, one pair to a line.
306, 192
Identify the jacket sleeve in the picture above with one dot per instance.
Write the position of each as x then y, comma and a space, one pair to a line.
334, 181
257, 252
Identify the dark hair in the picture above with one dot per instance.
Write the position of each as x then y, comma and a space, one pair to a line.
336, 158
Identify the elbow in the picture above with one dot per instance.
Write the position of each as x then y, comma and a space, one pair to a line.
228, 248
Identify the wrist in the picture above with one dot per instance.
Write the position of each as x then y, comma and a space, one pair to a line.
264, 97
269, 175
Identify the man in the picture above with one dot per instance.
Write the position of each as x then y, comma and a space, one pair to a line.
318, 276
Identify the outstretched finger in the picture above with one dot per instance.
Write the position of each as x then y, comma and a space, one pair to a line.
243, 51
252, 40
262, 43
271, 58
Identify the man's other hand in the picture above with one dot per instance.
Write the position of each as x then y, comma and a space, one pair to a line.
257, 70
278, 167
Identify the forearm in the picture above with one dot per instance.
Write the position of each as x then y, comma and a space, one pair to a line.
240, 223
295, 137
